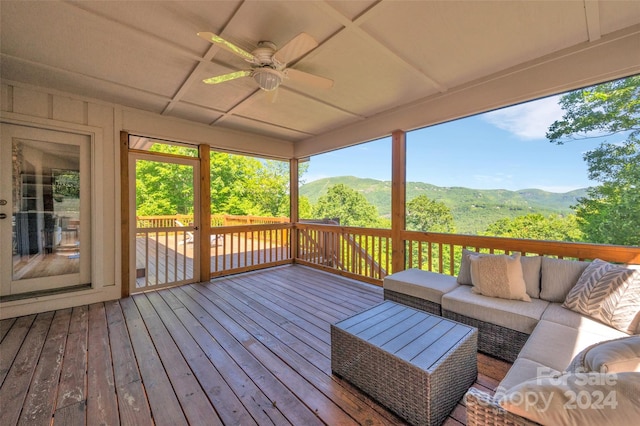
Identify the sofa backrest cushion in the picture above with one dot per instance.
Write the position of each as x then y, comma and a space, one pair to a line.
530, 271
558, 276
464, 275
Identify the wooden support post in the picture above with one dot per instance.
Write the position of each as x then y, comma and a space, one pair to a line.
205, 212
293, 206
124, 215
398, 198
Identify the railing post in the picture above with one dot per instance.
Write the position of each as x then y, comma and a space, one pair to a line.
398, 198
205, 212
125, 225
293, 206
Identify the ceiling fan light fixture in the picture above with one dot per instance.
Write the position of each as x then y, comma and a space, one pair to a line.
267, 78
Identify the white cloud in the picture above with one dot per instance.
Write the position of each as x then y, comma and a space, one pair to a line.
527, 121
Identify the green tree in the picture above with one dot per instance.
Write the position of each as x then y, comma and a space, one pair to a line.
427, 215
163, 188
347, 204
610, 212
305, 210
240, 185
537, 227
243, 185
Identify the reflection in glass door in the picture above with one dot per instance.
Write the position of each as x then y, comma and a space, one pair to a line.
165, 244
46, 207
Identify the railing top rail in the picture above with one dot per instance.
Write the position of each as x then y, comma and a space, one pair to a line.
248, 228
379, 232
612, 253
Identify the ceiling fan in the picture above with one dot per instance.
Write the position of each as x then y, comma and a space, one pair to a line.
269, 64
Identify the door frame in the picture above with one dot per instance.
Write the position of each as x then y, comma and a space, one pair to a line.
129, 284
86, 142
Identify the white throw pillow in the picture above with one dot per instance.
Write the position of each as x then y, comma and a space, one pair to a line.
611, 356
498, 276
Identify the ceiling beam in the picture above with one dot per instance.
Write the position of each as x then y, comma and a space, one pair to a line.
167, 44
592, 15
77, 75
355, 27
202, 63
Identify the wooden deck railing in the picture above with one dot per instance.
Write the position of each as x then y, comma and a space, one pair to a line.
163, 257
365, 253
361, 253
160, 221
248, 247
442, 252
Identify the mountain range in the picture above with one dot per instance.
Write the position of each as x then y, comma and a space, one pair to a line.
473, 209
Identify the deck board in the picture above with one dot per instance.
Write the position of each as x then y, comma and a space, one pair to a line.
15, 387
252, 348
71, 391
102, 401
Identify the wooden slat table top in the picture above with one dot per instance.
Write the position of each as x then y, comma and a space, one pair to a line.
412, 335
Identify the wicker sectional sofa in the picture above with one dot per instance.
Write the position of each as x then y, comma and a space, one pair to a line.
540, 336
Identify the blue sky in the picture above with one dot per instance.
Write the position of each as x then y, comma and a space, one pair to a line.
503, 149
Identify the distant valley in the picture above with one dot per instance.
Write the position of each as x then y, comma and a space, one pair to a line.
473, 209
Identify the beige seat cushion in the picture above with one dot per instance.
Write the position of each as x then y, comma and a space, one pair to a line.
555, 312
556, 345
422, 284
513, 314
523, 369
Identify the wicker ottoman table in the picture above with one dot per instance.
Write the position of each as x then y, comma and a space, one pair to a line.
416, 364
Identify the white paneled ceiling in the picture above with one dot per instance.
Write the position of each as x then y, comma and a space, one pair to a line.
383, 56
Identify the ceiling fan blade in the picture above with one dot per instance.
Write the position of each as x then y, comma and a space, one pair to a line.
226, 45
295, 48
309, 79
226, 77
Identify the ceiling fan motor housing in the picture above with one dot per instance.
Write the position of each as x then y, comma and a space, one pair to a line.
264, 54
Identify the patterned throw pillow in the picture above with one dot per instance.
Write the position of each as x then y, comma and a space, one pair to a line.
608, 293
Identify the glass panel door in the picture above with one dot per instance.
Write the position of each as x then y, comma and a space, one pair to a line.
45, 184
164, 246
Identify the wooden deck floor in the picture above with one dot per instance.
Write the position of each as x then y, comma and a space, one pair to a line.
247, 349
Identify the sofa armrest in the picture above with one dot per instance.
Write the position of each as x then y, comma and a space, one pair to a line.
483, 409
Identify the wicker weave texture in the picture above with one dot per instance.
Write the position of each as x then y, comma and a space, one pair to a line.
414, 302
418, 396
483, 409
499, 342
